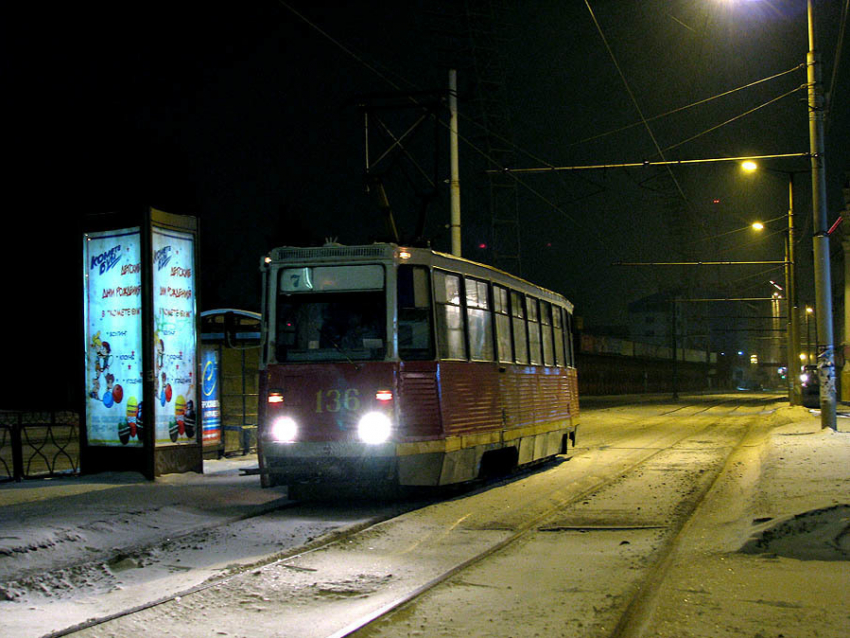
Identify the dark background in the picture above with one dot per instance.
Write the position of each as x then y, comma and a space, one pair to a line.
245, 115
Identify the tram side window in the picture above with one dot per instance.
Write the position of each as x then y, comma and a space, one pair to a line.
414, 313
450, 320
546, 331
480, 320
559, 336
533, 332
503, 324
568, 338
518, 327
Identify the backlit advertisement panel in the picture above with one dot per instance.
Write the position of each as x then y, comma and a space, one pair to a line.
113, 337
174, 337
210, 402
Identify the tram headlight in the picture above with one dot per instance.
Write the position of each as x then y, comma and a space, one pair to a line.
374, 428
284, 429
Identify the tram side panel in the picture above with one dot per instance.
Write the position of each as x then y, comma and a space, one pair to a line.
539, 411
470, 405
421, 445
481, 408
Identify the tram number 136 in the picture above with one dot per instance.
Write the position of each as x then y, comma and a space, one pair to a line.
336, 400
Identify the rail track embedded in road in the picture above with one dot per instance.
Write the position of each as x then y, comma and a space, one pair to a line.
542, 508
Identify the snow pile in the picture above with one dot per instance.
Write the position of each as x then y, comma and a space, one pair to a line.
822, 534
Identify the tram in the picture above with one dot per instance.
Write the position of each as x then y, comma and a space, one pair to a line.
391, 366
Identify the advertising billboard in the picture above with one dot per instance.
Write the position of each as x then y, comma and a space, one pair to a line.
174, 337
210, 401
113, 337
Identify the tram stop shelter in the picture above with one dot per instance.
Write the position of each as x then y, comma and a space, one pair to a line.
230, 356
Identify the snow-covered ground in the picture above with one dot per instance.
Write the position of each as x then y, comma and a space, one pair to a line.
774, 538
764, 556
86, 547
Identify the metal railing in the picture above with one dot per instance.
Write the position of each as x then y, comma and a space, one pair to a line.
38, 444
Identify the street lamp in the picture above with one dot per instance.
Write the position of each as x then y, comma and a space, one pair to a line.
823, 277
794, 390
809, 312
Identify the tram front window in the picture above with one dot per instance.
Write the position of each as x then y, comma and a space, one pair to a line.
348, 326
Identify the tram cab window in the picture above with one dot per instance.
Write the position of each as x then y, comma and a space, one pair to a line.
518, 326
345, 326
450, 319
546, 332
414, 313
503, 324
533, 332
479, 320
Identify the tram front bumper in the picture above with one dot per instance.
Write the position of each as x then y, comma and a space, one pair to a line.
329, 461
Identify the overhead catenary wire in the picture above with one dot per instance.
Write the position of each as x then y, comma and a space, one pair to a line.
490, 160
590, 229
740, 229
644, 121
633, 98
737, 117
686, 107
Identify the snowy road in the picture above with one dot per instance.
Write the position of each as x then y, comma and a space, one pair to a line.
582, 538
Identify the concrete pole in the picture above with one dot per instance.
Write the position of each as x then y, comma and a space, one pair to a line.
845, 371
776, 337
823, 283
795, 395
455, 177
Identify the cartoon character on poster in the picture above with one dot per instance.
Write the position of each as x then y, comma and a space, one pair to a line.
162, 389
102, 353
113, 393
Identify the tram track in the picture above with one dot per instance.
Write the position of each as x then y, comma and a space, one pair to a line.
640, 604
233, 571
633, 621
548, 507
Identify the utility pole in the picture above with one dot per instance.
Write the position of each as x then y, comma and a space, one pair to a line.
673, 329
455, 178
794, 393
823, 283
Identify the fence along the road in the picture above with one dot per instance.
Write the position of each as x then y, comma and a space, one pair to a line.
38, 444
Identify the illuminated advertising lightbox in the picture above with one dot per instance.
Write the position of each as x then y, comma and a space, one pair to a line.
174, 337
113, 337
210, 402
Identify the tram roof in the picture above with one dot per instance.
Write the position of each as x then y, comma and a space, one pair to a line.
335, 253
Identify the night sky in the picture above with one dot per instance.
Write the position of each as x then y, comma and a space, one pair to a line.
245, 115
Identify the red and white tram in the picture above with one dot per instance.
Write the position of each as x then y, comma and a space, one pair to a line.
385, 365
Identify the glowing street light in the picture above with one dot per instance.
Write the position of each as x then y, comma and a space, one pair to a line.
794, 390
820, 239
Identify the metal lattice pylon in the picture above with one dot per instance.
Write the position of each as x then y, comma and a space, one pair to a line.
469, 36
